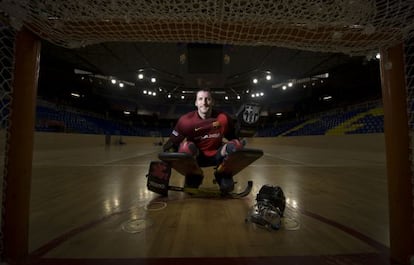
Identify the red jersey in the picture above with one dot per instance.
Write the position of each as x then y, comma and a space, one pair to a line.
207, 134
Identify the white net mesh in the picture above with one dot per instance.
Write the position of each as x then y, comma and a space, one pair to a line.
7, 37
348, 26
356, 27
409, 77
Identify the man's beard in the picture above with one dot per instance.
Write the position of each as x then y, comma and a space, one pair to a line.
205, 110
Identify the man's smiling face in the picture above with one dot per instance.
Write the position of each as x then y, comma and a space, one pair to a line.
204, 103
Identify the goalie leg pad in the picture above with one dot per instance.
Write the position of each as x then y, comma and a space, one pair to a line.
158, 177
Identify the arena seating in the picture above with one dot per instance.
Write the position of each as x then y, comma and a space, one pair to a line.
365, 118
358, 120
51, 119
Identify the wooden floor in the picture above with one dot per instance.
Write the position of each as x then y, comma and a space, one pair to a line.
89, 200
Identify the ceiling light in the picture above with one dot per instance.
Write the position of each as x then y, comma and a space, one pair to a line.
255, 81
268, 77
290, 84
140, 76
145, 91
153, 80
121, 84
284, 87
81, 72
113, 81
238, 97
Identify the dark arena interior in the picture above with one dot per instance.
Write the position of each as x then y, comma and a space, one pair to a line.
91, 91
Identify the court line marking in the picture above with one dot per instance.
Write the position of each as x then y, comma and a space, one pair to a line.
383, 250
257, 165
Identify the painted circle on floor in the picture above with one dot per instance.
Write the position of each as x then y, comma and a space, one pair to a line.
290, 224
136, 225
155, 206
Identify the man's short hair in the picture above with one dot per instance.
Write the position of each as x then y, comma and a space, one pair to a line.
204, 89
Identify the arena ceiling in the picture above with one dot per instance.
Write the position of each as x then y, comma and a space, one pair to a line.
195, 65
181, 68
218, 44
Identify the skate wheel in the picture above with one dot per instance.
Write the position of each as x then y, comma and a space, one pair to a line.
275, 226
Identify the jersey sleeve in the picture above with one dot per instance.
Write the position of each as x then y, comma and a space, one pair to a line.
176, 136
229, 131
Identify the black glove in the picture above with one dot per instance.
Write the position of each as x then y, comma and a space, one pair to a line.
169, 146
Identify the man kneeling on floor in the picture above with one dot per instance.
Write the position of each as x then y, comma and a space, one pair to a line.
201, 133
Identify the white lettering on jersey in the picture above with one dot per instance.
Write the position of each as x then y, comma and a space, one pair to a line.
213, 135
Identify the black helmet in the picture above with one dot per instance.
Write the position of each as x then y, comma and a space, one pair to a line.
273, 195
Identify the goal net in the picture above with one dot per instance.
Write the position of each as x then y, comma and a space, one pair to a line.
354, 27
347, 26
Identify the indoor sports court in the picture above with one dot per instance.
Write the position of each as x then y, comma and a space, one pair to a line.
89, 202
78, 195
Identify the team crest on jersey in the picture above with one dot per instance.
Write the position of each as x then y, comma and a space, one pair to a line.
251, 114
